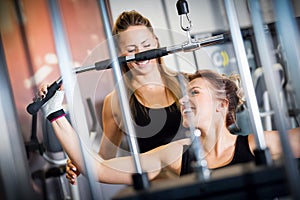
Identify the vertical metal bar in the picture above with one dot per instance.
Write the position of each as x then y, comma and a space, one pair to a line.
200, 165
14, 169
273, 83
289, 35
166, 15
72, 92
74, 189
245, 74
121, 89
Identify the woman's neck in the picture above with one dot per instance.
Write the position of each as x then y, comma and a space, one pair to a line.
147, 80
216, 140
219, 147
151, 91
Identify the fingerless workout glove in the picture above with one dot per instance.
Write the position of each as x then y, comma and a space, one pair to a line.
53, 108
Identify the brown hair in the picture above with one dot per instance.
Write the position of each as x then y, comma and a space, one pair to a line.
130, 18
133, 18
224, 87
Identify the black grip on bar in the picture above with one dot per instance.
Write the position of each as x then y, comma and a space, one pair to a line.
34, 107
153, 53
106, 64
145, 55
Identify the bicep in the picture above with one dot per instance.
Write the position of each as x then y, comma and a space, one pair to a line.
273, 142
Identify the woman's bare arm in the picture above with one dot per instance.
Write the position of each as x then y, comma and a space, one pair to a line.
118, 170
152, 162
294, 138
108, 171
110, 140
273, 142
112, 134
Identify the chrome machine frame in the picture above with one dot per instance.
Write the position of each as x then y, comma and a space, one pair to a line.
200, 183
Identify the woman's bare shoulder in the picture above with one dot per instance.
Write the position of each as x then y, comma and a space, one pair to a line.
111, 100
185, 141
110, 95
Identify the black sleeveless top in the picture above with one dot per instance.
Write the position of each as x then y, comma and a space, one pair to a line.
156, 126
242, 154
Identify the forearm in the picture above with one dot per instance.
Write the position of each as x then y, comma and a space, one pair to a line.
68, 140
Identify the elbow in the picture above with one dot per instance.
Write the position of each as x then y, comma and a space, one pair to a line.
153, 175
152, 169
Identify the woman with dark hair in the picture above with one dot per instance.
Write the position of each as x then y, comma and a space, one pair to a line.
213, 99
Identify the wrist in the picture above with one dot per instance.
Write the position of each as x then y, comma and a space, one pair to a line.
54, 106
56, 115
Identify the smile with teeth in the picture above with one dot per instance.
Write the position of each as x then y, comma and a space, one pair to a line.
142, 62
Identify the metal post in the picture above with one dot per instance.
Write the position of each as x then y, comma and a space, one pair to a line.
72, 92
140, 179
262, 154
14, 170
268, 60
200, 165
290, 37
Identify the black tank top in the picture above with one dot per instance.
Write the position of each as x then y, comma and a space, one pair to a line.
156, 126
242, 154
